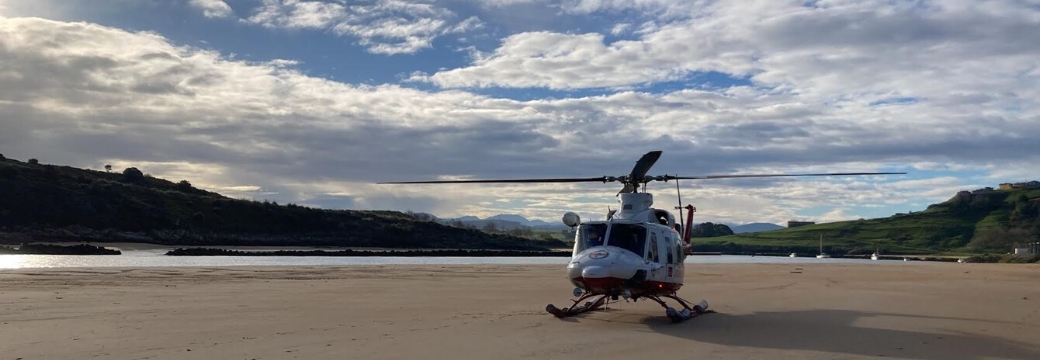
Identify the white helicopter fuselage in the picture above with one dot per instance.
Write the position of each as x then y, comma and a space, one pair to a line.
637, 251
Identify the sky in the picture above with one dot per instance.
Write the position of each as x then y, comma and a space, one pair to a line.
314, 102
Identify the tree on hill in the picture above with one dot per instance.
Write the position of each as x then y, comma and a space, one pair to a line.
708, 229
133, 175
184, 186
1025, 211
34, 161
108, 168
522, 231
421, 216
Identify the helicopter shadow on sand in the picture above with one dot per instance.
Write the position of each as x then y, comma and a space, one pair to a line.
835, 331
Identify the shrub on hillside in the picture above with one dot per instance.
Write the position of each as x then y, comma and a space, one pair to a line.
997, 239
184, 186
8, 172
133, 175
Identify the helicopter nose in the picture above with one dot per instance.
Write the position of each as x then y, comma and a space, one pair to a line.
603, 269
595, 272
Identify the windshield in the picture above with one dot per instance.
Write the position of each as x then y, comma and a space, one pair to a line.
589, 235
629, 237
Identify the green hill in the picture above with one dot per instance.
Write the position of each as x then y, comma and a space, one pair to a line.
985, 221
41, 202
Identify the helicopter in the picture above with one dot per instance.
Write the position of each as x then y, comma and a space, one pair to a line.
639, 251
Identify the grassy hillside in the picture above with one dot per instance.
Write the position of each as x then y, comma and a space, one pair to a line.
58, 203
967, 223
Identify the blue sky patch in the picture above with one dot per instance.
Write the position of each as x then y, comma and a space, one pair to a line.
895, 101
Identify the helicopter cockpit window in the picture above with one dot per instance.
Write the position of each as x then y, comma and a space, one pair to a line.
662, 217
590, 235
629, 237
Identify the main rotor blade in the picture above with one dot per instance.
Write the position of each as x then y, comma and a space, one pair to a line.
549, 180
643, 165
639, 171
733, 176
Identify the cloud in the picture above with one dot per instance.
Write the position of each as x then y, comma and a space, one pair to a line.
867, 83
84, 94
212, 8
931, 165
383, 27
294, 14
507, 3
94, 92
659, 9
558, 61
878, 48
620, 29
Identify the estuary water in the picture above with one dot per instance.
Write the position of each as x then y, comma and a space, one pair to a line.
157, 258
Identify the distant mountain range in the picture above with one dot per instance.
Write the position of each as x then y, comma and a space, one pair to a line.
523, 221
505, 222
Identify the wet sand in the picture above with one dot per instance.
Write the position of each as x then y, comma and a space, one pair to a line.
817, 311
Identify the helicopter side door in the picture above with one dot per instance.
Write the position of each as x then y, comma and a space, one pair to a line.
675, 257
656, 256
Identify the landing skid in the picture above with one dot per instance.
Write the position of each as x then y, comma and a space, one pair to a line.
575, 309
688, 312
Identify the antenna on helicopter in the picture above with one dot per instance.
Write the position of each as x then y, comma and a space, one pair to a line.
678, 194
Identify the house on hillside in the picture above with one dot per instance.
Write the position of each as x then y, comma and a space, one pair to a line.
1020, 185
1028, 248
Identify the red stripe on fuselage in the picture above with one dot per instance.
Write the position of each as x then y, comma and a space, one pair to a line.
615, 285
659, 287
601, 285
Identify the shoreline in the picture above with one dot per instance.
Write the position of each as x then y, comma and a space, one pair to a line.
150, 246
115, 248
312, 251
368, 253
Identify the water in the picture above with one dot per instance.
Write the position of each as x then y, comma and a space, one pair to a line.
156, 258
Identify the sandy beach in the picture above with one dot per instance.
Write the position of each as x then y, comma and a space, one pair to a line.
814, 311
